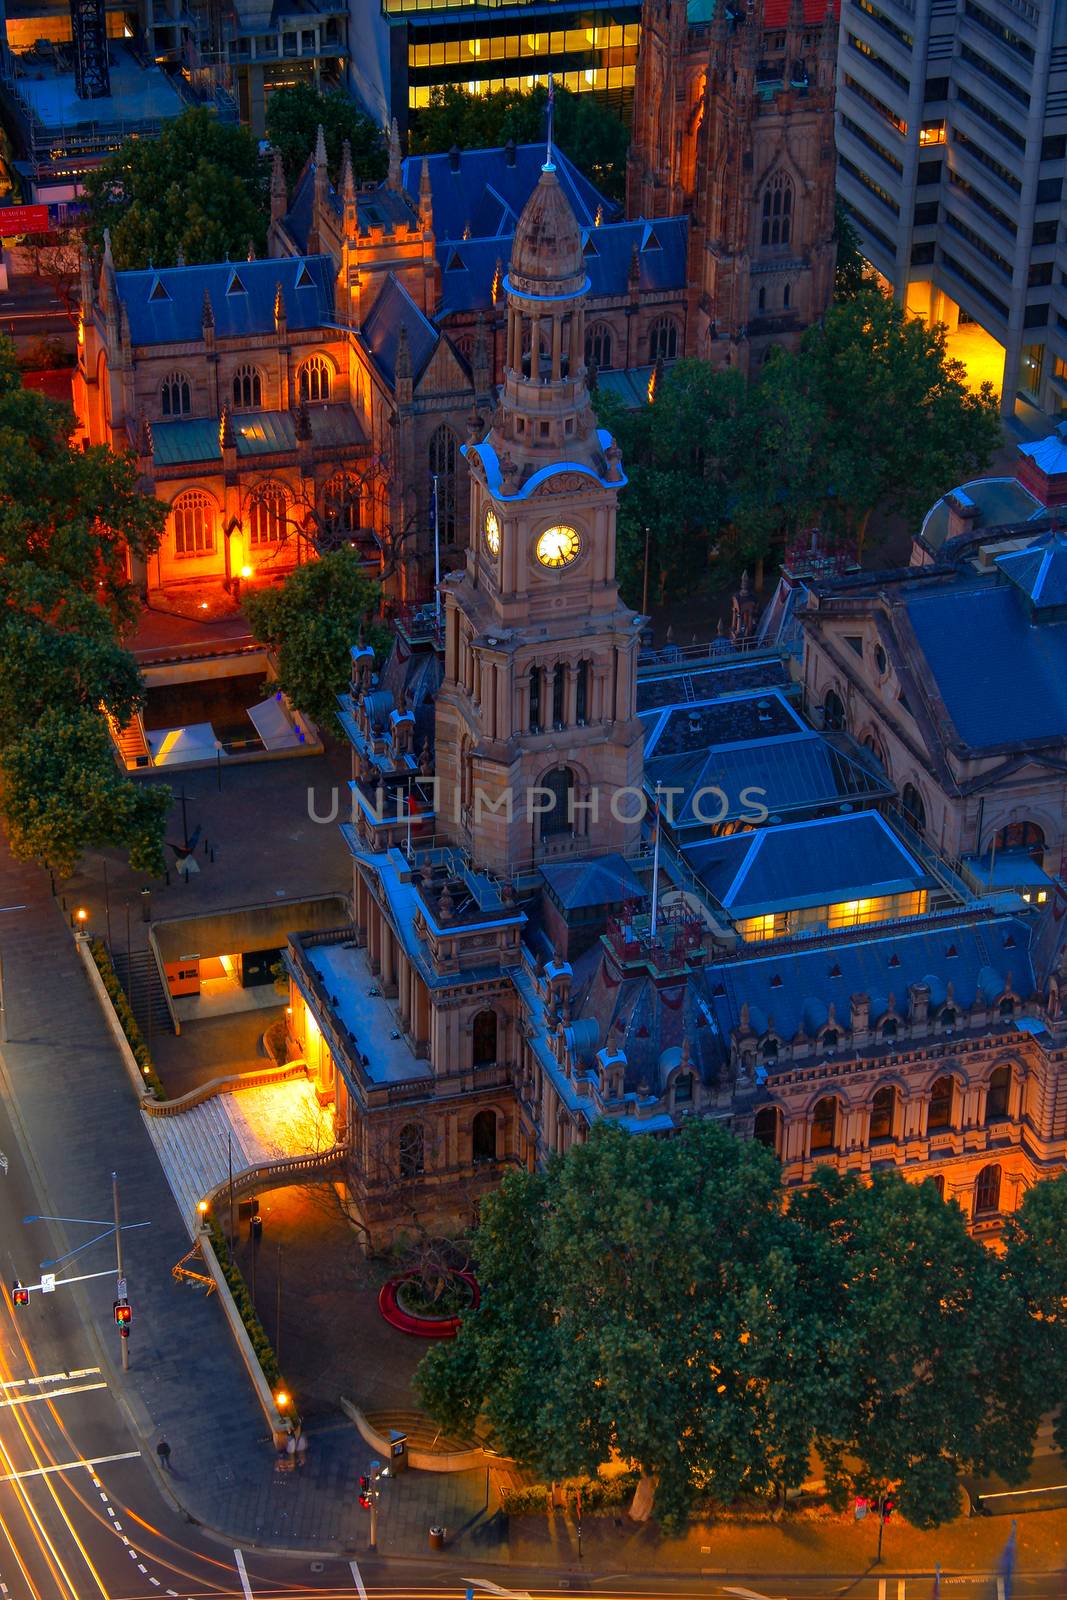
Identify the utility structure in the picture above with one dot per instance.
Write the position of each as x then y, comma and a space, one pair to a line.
92, 73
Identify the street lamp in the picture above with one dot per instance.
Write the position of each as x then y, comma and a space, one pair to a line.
281, 1399
80, 918
202, 1207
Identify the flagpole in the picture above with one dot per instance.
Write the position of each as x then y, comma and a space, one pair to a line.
550, 165
436, 555
655, 870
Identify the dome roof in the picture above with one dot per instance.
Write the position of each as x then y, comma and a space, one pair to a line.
546, 252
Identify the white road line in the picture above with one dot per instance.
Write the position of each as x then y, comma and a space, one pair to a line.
69, 1466
155, 1581
111, 1511
51, 1377
359, 1580
141, 1567
242, 1574
50, 1394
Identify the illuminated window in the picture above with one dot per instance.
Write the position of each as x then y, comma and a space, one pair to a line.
266, 514
932, 132
824, 1125
315, 379
777, 210
247, 389
663, 340
192, 519
883, 1107
175, 398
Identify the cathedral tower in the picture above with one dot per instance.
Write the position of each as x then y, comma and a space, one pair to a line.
537, 731
734, 124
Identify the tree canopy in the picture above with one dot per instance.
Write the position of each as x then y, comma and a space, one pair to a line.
294, 116
594, 138
69, 517
310, 623
871, 412
199, 190
860, 1321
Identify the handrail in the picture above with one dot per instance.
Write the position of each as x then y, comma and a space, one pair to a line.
232, 1084
263, 1174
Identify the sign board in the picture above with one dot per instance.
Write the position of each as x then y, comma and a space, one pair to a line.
120, 1289
23, 219
48, 1283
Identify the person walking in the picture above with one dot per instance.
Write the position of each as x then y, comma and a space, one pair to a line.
163, 1452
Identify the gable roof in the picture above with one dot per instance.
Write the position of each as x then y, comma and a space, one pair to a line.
392, 310
165, 305
606, 880
486, 192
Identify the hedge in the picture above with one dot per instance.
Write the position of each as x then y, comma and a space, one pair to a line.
597, 1494
243, 1301
118, 998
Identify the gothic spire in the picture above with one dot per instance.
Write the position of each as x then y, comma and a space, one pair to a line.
393, 179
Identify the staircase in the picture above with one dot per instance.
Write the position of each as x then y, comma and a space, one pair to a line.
131, 743
422, 1432
140, 978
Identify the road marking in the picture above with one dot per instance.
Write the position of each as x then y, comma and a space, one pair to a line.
141, 1567
516, 1594
357, 1576
155, 1581
68, 1466
242, 1574
51, 1394
51, 1377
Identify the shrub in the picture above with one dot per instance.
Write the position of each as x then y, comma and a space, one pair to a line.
247, 1311
597, 1495
127, 1020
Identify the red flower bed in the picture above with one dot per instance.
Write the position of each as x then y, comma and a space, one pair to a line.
423, 1327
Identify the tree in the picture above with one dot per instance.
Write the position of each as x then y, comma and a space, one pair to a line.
294, 116
683, 455
897, 424
851, 273
595, 139
199, 191
1035, 1261
56, 257
709, 1377
932, 1339
310, 623
70, 518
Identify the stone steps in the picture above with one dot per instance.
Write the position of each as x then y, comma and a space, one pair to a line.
422, 1432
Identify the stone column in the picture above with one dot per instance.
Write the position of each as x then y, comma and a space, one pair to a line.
570, 693
557, 347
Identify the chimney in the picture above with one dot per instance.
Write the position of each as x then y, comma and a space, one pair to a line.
509, 152
454, 158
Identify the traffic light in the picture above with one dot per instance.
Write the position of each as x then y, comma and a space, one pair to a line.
123, 1317
19, 1295
888, 1507
859, 1510
364, 1491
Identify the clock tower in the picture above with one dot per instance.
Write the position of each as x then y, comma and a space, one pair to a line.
538, 744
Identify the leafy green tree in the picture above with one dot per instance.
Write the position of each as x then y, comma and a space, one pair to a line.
930, 1327
851, 272
69, 518
595, 139
897, 425
711, 1377
684, 457
311, 623
199, 190
1035, 1261
294, 116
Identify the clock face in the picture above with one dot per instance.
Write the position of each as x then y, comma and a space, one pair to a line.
558, 546
492, 532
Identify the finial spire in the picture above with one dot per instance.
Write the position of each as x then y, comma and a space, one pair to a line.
550, 165
320, 149
394, 177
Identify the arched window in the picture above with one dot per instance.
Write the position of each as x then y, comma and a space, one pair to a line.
484, 1031
411, 1150
683, 1088
996, 1098
833, 711
559, 680
761, 300
581, 698
940, 1112
192, 520
777, 222
1007, 1006
824, 1124
267, 514
883, 1107
765, 1127
889, 1028
829, 1039
1022, 836
535, 699
786, 296
598, 347
663, 339
316, 379
948, 1016
247, 389
987, 1190
769, 1048
938, 1181
341, 504
483, 1136
911, 802
443, 467
175, 396
556, 818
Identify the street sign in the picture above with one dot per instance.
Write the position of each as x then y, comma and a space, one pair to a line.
120, 1289
48, 1283
22, 219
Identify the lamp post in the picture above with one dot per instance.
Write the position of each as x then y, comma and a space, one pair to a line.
124, 1339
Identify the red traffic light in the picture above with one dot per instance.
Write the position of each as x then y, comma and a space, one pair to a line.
123, 1315
888, 1507
364, 1501
19, 1295
859, 1510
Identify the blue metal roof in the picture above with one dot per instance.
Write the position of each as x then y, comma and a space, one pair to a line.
999, 500
259, 433
1040, 572
485, 194
606, 880
1001, 675
395, 309
801, 864
794, 984
166, 305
